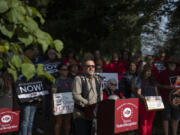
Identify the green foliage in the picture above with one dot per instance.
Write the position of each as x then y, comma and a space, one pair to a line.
3, 6
18, 24
13, 73
172, 45
28, 70
58, 45
7, 30
86, 25
41, 72
16, 62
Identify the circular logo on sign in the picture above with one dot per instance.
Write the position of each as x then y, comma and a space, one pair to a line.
127, 112
6, 119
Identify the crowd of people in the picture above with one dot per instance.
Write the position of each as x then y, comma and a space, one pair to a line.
138, 77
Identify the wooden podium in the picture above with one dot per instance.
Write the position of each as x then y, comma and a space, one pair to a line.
117, 116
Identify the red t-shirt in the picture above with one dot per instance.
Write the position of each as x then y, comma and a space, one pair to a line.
155, 71
123, 65
160, 65
112, 67
167, 78
119, 68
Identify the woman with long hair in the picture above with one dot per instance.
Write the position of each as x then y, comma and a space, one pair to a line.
145, 85
62, 84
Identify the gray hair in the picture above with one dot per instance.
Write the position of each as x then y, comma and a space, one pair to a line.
112, 80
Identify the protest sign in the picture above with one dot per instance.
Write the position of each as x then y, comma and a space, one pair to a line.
63, 103
51, 67
27, 90
104, 77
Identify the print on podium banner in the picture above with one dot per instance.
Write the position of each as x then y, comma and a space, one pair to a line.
126, 115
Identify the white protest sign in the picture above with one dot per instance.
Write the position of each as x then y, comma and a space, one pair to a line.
106, 76
63, 103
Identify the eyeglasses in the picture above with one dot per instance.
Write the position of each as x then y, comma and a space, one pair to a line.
113, 84
90, 66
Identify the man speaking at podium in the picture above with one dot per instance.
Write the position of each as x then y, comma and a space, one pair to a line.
86, 91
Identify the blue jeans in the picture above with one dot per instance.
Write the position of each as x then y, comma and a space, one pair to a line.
28, 113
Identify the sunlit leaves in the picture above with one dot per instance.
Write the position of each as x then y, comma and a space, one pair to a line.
25, 38
58, 45
19, 28
41, 72
16, 61
13, 73
28, 70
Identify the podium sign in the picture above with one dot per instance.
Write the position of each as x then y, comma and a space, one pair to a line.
154, 103
117, 116
9, 120
126, 115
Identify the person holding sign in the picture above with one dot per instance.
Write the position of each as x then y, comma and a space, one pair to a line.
62, 85
145, 85
167, 83
29, 95
86, 90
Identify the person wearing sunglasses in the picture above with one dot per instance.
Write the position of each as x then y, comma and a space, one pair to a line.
86, 91
62, 84
111, 89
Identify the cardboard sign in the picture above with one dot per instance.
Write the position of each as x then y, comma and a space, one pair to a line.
51, 68
9, 120
126, 115
154, 103
105, 77
30, 90
63, 103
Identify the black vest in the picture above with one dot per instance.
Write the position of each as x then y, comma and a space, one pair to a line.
85, 92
